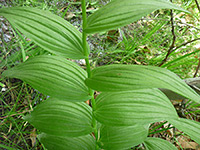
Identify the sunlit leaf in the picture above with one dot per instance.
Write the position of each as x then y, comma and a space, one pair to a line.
51, 142
132, 107
158, 144
118, 13
119, 138
115, 78
190, 127
49, 31
54, 76
62, 118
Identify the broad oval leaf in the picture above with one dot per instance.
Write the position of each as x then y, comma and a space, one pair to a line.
133, 107
118, 13
190, 127
115, 78
118, 138
62, 118
52, 142
158, 144
49, 31
54, 76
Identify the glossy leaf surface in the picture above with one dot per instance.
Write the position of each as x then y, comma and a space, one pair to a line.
190, 127
62, 118
54, 76
115, 78
118, 13
49, 31
86, 142
158, 144
119, 138
133, 107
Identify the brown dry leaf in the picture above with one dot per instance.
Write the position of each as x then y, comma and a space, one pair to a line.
90, 9
69, 15
87, 102
187, 144
33, 136
113, 35
144, 49
177, 101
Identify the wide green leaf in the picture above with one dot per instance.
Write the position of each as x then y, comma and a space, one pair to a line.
118, 138
52, 142
115, 78
49, 31
54, 76
133, 107
158, 144
190, 127
62, 118
118, 13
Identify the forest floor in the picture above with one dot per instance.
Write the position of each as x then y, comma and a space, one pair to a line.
168, 39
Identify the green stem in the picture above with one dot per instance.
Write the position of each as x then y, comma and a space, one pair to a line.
91, 92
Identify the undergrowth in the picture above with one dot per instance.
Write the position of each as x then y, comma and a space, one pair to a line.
153, 40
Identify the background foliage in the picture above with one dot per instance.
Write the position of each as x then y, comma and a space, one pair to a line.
149, 42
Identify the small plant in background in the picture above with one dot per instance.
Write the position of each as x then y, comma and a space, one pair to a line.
120, 116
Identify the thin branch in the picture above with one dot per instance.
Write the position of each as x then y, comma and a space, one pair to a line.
170, 50
197, 5
190, 25
195, 74
184, 44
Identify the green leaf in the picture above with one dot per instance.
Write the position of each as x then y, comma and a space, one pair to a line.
62, 118
190, 127
118, 138
49, 31
158, 144
133, 107
54, 76
119, 13
115, 78
86, 142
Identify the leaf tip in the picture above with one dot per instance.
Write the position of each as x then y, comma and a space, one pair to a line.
27, 118
8, 73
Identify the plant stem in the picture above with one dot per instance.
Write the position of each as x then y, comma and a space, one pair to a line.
84, 38
86, 53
